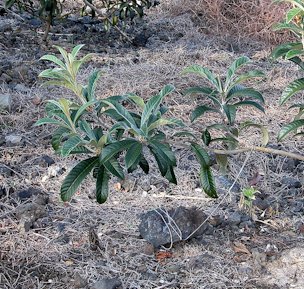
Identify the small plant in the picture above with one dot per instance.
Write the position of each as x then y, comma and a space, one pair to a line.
247, 198
82, 129
292, 51
223, 97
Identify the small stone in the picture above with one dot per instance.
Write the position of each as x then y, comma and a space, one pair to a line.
235, 219
260, 203
21, 88
107, 283
291, 182
5, 102
5, 171
13, 139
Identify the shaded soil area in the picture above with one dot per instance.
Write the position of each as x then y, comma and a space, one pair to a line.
45, 243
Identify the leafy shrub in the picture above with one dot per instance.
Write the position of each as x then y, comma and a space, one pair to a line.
111, 12
292, 51
224, 97
82, 128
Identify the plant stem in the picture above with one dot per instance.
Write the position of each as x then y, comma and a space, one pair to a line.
260, 149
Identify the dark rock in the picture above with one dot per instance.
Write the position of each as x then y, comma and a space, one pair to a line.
5, 171
223, 184
260, 203
290, 165
31, 211
35, 22
291, 182
156, 226
141, 39
107, 283
27, 194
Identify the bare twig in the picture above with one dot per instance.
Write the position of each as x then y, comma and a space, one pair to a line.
103, 17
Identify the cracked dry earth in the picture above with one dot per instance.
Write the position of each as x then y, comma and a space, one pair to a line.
45, 243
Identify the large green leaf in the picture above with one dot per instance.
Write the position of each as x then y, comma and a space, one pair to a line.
70, 145
143, 163
201, 155
92, 82
153, 104
47, 120
205, 73
250, 103
54, 59
76, 176
114, 148
133, 154
249, 92
200, 110
291, 127
238, 63
246, 76
289, 26
208, 92
102, 185
292, 13
230, 111
207, 182
57, 136
114, 168
294, 53
163, 121
82, 109
76, 49
291, 89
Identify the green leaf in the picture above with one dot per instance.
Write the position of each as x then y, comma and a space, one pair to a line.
137, 100
63, 53
57, 136
292, 13
289, 26
201, 155
76, 176
207, 182
291, 89
205, 73
47, 120
133, 154
291, 127
250, 103
230, 111
163, 122
86, 127
200, 110
76, 50
153, 104
54, 59
238, 63
143, 163
9, 3
102, 185
211, 94
206, 137
246, 76
70, 145
92, 84
184, 133
250, 92
114, 168
113, 149
293, 53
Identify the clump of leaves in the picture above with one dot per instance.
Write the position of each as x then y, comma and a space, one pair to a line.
292, 51
223, 97
248, 195
82, 128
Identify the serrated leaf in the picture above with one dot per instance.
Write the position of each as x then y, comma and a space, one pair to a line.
184, 133
76, 49
246, 76
137, 100
230, 111
47, 120
76, 176
292, 13
70, 145
291, 89
133, 154
102, 185
208, 92
249, 92
163, 121
92, 84
205, 73
53, 59
201, 155
250, 103
113, 149
57, 136
291, 127
207, 182
201, 110
238, 63
152, 105
114, 168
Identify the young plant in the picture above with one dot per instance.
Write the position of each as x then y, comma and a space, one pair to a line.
224, 97
292, 51
248, 195
81, 129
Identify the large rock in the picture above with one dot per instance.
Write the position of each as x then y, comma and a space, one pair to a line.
161, 227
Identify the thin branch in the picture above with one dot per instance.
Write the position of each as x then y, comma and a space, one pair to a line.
103, 17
